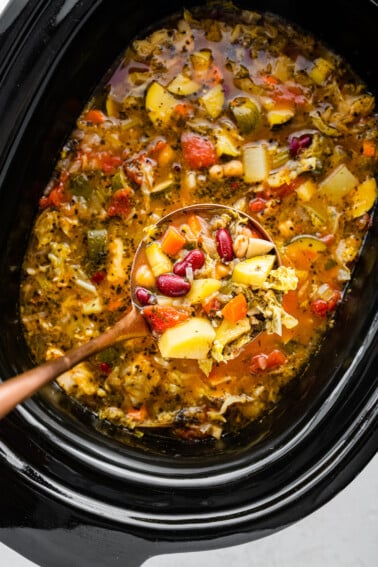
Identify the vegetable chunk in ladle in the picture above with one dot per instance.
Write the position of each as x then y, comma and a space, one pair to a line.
194, 255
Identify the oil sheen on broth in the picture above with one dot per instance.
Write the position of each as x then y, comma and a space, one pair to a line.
240, 109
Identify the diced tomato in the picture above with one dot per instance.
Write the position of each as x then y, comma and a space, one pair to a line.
257, 205
198, 151
211, 305
163, 317
120, 203
55, 198
108, 162
98, 277
290, 93
262, 361
321, 307
105, 367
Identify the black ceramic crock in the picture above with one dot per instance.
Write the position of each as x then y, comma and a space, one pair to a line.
71, 489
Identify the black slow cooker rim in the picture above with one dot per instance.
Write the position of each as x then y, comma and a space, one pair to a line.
354, 445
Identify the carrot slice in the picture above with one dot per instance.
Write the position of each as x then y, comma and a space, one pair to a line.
195, 224
172, 241
137, 414
368, 148
95, 116
235, 309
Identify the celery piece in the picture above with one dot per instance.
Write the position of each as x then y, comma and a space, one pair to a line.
255, 162
97, 241
80, 186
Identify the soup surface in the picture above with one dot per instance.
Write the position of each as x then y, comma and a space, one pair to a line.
238, 109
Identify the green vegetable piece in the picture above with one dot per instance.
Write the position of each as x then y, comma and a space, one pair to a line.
119, 180
97, 241
80, 186
109, 355
246, 113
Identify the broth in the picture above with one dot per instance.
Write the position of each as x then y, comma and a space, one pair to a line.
243, 110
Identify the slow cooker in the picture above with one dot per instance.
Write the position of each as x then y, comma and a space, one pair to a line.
84, 489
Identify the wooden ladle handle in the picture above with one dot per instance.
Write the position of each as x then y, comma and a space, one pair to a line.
20, 387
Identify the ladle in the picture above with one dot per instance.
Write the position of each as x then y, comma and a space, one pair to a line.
132, 325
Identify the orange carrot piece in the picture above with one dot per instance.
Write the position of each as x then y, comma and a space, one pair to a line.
368, 148
195, 224
137, 414
269, 79
172, 241
95, 116
235, 309
183, 109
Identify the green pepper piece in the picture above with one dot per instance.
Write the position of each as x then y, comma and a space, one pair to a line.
80, 186
97, 240
119, 180
246, 113
109, 355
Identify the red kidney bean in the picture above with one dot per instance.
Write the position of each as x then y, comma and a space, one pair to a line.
172, 285
144, 296
195, 259
224, 245
298, 143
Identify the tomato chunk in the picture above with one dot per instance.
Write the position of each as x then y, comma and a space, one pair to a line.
321, 307
163, 317
120, 203
263, 361
198, 151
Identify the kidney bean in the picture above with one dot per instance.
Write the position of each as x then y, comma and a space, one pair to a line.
195, 259
144, 296
172, 285
224, 245
298, 143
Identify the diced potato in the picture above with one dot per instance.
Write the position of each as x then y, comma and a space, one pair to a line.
93, 306
224, 145
144, 276
256, 163
213, 101
279, 116
202, 59
282, 69
306, 190
201, 289
182, 85
113, 107
191, 339
364, 197
228, 332
338, 183
254, 271
320, 70
160, 104
159, 262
